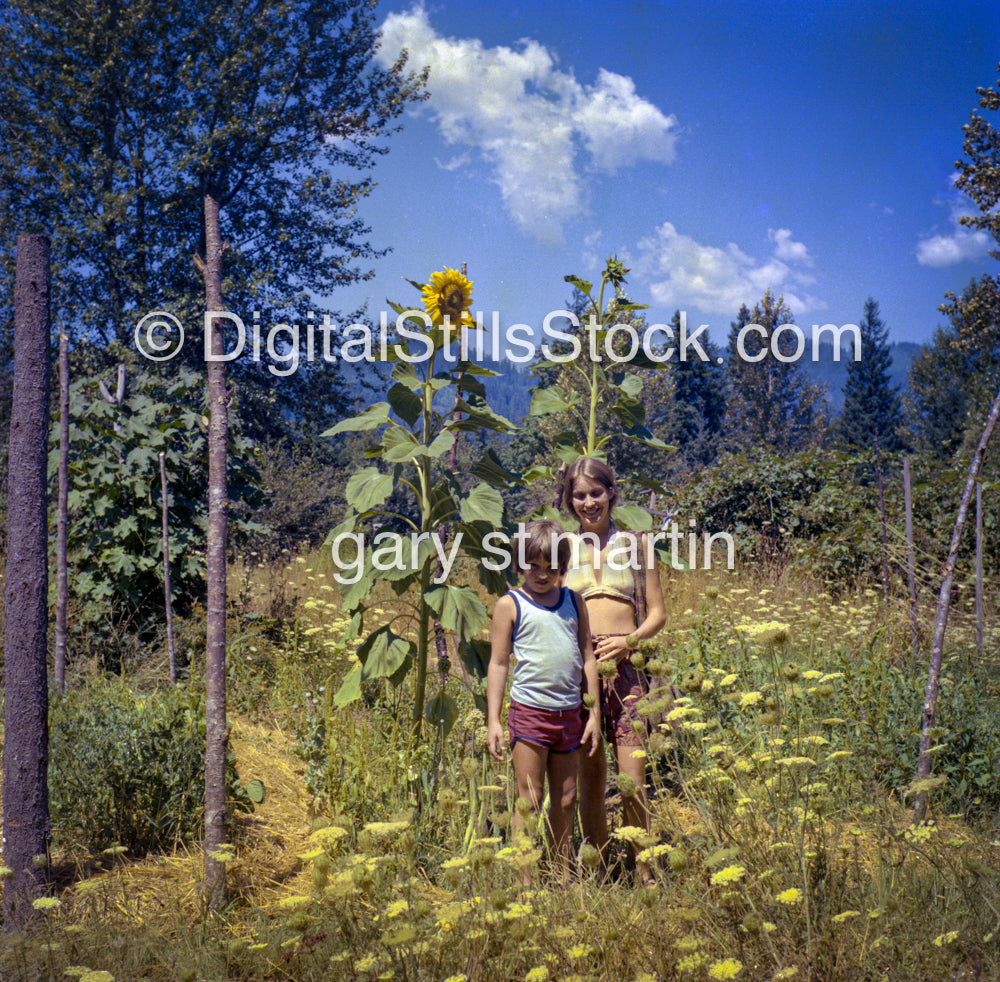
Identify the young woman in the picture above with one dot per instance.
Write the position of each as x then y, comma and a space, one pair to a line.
603, 570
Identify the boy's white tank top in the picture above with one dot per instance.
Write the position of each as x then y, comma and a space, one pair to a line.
548, 668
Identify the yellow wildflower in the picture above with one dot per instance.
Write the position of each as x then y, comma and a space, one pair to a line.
790, 896
730, 874
728, 968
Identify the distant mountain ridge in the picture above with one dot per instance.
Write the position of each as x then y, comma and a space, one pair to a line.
509, 392
833, 374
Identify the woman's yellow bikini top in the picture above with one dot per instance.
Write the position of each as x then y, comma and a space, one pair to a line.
617, 575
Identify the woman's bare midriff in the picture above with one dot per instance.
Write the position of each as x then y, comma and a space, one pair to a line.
609, 615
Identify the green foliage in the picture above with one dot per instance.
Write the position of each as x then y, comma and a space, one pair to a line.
871, 406
420, 487
115, 530
955, 379
128, 770
578, 387
358, 761
979, 172
820, 510
268, 105
936, 399
699, 402
885, 704
771, 405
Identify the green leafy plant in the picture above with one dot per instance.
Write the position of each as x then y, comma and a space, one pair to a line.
115, 536
128, 770
414, 440
595, 381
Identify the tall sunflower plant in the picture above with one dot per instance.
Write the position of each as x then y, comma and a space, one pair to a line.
587, 384
418, 487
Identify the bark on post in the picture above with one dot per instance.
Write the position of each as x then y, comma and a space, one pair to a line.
911, 577
941, 622
215, 556
881, 506
62, 519
167, 602
979, 569
26, 827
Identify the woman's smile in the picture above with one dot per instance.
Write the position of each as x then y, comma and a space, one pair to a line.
591, 502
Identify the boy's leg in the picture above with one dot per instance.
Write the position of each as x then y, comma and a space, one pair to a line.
562, 772
529, 768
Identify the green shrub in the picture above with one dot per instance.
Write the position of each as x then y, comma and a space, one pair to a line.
128, 769
886, 705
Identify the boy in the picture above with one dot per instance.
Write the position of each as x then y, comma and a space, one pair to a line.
546, 626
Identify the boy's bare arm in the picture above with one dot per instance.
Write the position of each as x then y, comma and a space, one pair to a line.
501, 638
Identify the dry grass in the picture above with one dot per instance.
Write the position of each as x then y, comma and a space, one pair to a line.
158, 892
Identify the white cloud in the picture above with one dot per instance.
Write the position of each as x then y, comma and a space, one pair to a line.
959, 244
682, 272
453, 163
528, 119
787, 249
589, 253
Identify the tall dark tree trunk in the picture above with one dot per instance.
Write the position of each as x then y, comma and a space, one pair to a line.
25, 753
215, 647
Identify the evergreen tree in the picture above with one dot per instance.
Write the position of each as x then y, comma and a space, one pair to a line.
953, 380
698, 400
936, 400
771, 403
871, 405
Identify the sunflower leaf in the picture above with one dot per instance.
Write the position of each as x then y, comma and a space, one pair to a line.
372, 418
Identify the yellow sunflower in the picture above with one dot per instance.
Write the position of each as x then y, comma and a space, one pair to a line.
449, 294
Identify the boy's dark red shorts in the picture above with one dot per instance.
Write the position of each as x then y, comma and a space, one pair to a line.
559, 731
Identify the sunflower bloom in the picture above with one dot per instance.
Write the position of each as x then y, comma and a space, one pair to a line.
448, 295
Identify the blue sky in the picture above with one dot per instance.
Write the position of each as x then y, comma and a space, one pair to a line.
719, 149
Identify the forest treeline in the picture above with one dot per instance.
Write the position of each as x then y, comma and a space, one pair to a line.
757, 444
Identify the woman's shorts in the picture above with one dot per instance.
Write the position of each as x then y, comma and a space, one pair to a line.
619, 696
559, 731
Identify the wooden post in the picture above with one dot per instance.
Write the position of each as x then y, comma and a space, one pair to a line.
979, 569
216, 735
62, 575
168, 604
26, 829
881, 504
910, 564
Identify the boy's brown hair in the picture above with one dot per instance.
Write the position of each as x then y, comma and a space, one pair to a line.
543, 540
